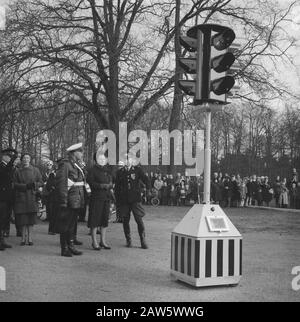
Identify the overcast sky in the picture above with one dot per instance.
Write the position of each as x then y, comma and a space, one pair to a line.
293, 29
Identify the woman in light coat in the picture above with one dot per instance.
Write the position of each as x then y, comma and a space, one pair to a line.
284, 195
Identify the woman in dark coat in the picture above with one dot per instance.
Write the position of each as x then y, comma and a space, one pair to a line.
100, 182
267, 192
27, 181
259, 195
235, 193
277, 190
216, 193
226, 191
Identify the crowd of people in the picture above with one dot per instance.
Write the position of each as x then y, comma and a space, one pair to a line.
228, 191
70, 191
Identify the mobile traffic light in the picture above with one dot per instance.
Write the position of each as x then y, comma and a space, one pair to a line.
210, 43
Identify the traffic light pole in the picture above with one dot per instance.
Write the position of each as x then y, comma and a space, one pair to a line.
199, 66
202, 91
207, 158
205, 227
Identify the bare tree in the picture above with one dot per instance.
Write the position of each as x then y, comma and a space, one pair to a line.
115, 59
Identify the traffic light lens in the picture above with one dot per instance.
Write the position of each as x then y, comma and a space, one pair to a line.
188, 86
222, 85
223, 62
188, 43
223, 40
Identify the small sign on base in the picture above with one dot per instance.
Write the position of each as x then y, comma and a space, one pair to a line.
206, 248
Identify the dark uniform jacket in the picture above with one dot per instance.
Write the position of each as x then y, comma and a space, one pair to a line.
72, 197
128, 185
6, 176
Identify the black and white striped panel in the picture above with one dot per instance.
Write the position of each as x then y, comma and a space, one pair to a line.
205, 258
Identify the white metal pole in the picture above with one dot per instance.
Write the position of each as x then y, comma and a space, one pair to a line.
207, 158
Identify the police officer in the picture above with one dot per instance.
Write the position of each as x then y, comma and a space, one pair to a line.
8, 156
128, 194
70, 194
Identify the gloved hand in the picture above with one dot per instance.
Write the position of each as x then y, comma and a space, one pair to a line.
30, 186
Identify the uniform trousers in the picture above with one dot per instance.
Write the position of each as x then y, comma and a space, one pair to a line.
138, 212
67, 222
5, 213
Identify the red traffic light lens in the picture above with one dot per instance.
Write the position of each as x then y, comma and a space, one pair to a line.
223, 39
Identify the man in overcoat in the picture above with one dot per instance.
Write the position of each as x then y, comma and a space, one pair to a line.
8, 156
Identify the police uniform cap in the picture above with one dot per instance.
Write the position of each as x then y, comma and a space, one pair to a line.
75, 147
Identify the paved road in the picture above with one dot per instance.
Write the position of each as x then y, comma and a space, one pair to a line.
270, 251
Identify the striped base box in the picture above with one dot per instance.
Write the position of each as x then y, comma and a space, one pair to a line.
205, 262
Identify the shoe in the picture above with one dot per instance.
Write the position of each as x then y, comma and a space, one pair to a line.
77, 242
96, 248
73, 250
30, 243
51, 233
22, 243
66, 252
144, 245
6, 245
2, 248
105, 246
128, 244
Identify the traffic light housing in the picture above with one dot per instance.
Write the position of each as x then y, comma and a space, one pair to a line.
188, 64
211, 43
